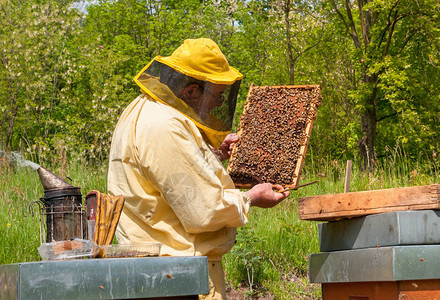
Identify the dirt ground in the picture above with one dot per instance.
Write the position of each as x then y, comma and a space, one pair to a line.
306, 290
240, 294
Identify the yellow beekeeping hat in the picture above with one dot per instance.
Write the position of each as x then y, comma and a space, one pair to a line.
202, 59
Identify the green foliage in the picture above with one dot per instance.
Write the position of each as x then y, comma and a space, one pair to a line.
36, 64
66, 77
248, 263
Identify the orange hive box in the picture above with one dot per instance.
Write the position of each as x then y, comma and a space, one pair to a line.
274, 133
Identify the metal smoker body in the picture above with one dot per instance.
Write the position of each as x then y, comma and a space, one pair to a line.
62, 208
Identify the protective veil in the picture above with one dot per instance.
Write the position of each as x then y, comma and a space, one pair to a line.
197, 81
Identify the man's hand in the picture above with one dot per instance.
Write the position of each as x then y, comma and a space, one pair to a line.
225, 149
263, 195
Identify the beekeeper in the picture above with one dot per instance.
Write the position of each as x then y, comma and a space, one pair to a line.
165, 159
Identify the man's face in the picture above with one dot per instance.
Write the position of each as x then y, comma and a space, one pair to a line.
204, 100
213, 95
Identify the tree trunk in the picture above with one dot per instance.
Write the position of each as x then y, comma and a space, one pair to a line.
289, 43
368, 120
367, 142
13, 113
368, 124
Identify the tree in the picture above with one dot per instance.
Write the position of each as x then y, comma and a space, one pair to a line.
308, 30
34, 63
382, 33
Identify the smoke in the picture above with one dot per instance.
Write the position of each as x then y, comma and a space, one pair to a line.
17, 159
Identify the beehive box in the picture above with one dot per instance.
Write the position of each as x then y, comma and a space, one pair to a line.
274, 132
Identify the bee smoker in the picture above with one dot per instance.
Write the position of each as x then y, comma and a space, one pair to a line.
61, 208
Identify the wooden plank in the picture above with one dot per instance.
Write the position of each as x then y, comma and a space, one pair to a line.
302, 151
347, 176
355, 204
306, 86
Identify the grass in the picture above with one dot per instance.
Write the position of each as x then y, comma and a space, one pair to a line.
271, 253
19, 230
19, 187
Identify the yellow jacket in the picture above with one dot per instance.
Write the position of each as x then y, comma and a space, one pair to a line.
176, 190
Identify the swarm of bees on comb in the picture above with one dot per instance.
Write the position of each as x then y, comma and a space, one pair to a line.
274, 133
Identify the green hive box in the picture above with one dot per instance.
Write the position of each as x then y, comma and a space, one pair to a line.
394, 263
110, 278
380, 230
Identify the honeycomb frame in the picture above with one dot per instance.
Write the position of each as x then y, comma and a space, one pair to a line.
274, 132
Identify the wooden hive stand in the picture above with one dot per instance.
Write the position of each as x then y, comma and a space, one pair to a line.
381, 244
